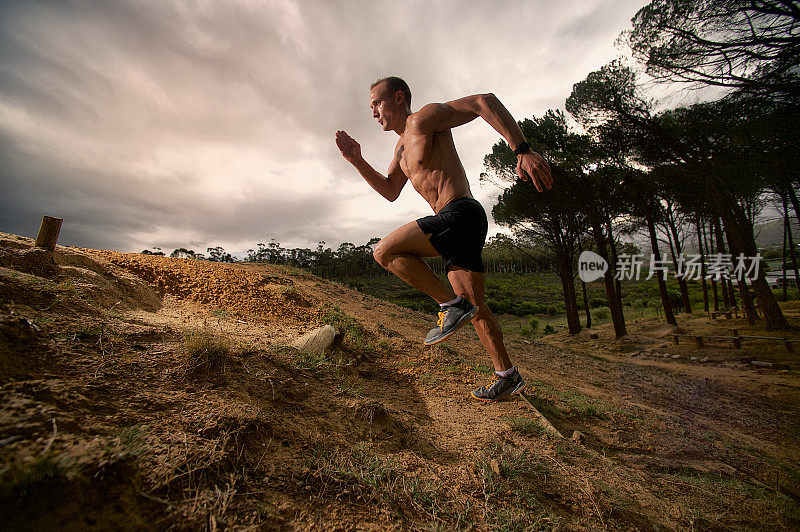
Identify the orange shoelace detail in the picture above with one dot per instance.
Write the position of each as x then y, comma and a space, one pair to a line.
440, 321
489, 386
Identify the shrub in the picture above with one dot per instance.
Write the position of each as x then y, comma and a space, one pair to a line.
598, 302
502, 307
548, 329
696, 298
533, 322
791, 294
601, 313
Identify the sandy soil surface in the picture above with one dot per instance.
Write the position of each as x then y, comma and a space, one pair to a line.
142, 392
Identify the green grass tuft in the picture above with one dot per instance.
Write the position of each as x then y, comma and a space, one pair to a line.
526, 426
131, 439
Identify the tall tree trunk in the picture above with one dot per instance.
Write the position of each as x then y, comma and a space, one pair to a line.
702, 263
721, 249
783, 257
792, 250
710, 248
675, 265
732, 293
740, 235
747, 301
566, 261
586, 306
570, 301
747, 297
662, 284
687, 304
795, 202
793, 255
613, 265
617, 317
728, 282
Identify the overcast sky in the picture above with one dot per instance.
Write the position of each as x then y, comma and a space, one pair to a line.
196, 124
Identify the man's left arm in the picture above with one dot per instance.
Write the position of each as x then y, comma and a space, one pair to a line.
440, 116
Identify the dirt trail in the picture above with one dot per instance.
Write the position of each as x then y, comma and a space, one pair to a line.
146, 392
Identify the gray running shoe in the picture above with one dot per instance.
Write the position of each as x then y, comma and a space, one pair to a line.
500, 388
451, 319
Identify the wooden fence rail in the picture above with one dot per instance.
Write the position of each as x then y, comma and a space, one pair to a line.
736, 339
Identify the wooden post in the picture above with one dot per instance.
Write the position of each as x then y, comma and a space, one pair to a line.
699, 340
48, 233
676, 339
737, 342
788, 344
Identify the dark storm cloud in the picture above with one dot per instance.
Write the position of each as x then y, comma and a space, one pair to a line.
100, 208
172, 123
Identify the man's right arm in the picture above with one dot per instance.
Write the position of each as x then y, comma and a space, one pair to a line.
388, 187
440, 116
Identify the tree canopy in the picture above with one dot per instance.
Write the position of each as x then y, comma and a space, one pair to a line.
747, 45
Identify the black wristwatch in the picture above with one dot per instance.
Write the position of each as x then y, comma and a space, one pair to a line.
522, 148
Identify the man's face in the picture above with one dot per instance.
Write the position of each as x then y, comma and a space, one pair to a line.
382, 104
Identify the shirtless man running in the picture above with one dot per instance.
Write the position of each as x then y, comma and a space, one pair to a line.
426, 155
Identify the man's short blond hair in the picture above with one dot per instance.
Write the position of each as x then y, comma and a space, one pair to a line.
394, 84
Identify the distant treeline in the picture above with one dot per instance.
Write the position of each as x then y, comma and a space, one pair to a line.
501, 255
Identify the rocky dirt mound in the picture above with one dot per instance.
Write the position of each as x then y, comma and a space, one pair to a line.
69, 280
239, 292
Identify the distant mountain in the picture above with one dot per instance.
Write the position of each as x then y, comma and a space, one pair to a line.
770, 234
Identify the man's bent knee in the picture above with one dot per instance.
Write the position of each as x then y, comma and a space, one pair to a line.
380, 255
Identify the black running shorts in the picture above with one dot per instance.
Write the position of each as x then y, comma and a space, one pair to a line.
458, 233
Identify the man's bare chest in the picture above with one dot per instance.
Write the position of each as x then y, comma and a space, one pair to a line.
421, 154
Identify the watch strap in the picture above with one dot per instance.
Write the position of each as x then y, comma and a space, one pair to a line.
522, 148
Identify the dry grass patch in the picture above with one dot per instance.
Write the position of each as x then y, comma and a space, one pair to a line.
206, 353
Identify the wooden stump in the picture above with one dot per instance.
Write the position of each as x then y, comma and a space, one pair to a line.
48, 233
737, 342
319, 340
